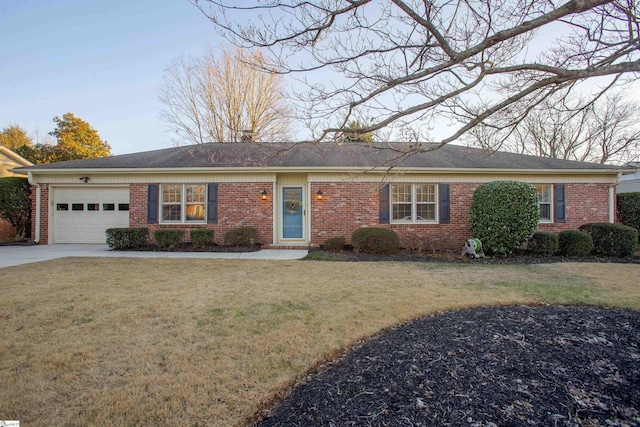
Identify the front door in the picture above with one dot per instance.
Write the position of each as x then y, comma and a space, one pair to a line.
292, 213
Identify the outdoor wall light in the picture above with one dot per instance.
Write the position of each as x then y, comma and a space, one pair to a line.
84, 178
264, 194
319, 194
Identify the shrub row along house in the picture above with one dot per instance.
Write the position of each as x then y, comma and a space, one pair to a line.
300, 195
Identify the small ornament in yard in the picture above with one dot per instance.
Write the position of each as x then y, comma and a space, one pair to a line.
473, 248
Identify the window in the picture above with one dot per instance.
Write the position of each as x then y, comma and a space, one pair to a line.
123, 206
108, 207
544, 198
413, 203
62, 207
183, 203
77, 206
93, 206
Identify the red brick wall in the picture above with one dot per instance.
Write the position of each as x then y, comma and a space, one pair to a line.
44, 213
348, 206
239, 204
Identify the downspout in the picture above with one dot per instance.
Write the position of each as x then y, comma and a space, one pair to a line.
612, 198
36, 238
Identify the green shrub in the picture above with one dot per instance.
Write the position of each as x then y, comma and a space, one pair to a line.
375, 240
169, 240
201, 238
543, 243
15, 204
614, 240
575, 243
334, 244
629, 209
504, 215
243, 237
122, 239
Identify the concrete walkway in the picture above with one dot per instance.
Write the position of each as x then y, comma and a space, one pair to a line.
17, 255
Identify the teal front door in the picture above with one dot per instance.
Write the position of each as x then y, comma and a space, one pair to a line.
292, 213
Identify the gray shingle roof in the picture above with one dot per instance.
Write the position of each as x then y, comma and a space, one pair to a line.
323, 155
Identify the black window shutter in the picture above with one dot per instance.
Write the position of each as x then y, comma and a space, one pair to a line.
384, 205
559, 207
444, 204
212, 203
152, 203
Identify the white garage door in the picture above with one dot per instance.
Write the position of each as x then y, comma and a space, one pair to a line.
81, 215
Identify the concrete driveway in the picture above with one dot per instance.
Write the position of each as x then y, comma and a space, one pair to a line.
17, 255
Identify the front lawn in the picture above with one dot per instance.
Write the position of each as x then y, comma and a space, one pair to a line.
210, 342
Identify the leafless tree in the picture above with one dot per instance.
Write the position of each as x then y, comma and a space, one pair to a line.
223, 98
603, 131
454, 65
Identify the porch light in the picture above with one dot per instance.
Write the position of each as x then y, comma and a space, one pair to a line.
319, 194
264, 194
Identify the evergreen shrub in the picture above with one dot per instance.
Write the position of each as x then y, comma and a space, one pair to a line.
169, 240
575, 243
543, 243
243, 236
615, 240
123, 239
375, 240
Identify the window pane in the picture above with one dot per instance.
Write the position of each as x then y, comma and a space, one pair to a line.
171, 213
172, 193
401, 193
93, 206
123, 206
195, 193
195, 212
545, 211
544, 193
402, 212
425, 193
108, 207
77, 207
426, 212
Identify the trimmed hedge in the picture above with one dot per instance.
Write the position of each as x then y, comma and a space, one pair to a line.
613, 240
243, 237
334, 244
201, 238
375, 240
169, 240
575, 243
122, 239
543, 243
504, 215
629, 209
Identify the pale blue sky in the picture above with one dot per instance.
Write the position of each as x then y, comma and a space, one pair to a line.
100, 60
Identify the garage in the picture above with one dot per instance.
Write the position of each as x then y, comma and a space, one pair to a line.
82, 214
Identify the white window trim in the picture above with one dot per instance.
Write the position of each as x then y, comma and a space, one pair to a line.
183, 205
551, 202
414, 209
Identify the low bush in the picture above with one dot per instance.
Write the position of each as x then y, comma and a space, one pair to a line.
629, 209
243, 237
201, 238
614, 240
169, 240
375, 240
575, 243
122, 239
543, 243
334, 244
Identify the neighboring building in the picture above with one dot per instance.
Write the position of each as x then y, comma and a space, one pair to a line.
630, 181
8, 161
300, 195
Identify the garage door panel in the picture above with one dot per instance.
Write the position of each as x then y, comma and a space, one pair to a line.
89, 224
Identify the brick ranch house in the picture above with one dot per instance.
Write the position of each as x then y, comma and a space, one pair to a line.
301, 195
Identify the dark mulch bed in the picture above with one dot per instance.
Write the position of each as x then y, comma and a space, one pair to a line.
188, 247
490, 366
520, 257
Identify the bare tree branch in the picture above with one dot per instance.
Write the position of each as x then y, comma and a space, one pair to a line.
472, 63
